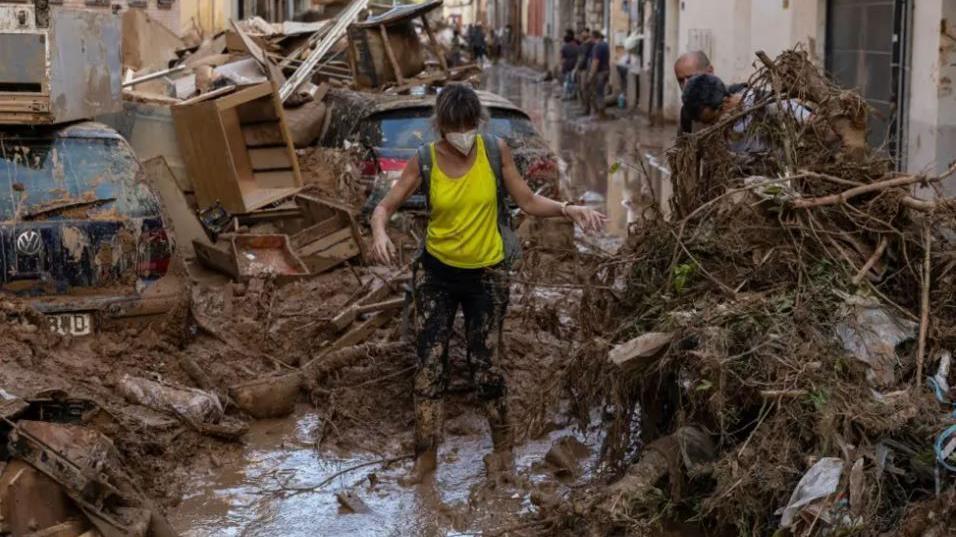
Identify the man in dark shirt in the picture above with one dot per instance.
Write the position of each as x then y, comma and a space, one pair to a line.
569, 60
600, 70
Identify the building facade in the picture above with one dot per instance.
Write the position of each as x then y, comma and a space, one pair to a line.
900, 54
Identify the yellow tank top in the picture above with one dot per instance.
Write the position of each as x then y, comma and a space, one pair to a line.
463, 225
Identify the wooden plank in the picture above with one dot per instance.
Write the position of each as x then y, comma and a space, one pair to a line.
218, 92
232, 130
274, 179
310, 201
331, 257
185, 223
261, 110
243, 96
269, 158
316, 231
260, 197
272, 72
396, 68
217, 259
207, 156
360, 333
326, 242
263, 135
284, 130
435, 46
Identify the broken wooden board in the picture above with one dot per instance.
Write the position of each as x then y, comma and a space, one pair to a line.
331, 238
186, 226
630, 353
217, 258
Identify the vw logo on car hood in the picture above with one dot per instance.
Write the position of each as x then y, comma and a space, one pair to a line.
29, 242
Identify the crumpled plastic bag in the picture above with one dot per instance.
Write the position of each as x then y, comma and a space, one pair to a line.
195, 405
820, 481
871, 333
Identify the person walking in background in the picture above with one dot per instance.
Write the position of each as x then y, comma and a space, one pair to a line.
494, 45
569, 60
464, 262
599, 72
506, 37
581, 72
477, 43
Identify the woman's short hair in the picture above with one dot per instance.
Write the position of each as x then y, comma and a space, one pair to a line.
703, 91
457, 107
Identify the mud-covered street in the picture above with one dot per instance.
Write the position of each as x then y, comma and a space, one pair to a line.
259, 491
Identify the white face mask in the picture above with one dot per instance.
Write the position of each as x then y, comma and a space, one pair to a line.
462, 141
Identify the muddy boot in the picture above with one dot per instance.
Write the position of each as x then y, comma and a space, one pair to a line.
428, 420
499, 464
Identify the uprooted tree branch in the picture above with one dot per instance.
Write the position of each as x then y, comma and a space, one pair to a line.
805, 292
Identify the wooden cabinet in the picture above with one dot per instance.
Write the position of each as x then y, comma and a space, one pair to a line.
237, 149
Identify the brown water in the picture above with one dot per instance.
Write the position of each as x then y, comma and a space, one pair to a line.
589, 148
251, 493
243, 496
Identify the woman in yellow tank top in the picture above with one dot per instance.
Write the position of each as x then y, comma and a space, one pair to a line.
463, 261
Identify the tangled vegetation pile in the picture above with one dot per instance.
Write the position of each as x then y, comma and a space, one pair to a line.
777, 334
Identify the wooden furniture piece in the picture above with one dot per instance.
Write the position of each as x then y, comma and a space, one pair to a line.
385, 49
332, 236
248, 256
237, 149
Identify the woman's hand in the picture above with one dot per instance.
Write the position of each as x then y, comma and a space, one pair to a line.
383, 250
590, 220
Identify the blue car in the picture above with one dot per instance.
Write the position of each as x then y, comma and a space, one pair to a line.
82, 237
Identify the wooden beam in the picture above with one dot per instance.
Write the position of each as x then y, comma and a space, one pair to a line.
391, 55
436, 48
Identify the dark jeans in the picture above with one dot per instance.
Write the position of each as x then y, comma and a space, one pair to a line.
598, 89
483, 296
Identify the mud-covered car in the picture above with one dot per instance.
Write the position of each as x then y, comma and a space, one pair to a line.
391, 127
82, 237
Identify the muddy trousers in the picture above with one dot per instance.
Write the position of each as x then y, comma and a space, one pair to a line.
482, 295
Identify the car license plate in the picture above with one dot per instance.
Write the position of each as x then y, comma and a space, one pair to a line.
75, 324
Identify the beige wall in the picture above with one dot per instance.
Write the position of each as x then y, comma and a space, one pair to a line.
209, 15
730, 31
931, 135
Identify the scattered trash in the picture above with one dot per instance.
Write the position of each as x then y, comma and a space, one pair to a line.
871, 334
195, 406
819, 482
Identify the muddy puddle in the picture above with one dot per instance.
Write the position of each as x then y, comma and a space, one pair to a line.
617, 164
281, 485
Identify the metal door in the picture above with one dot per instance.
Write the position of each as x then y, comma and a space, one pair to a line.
866, 51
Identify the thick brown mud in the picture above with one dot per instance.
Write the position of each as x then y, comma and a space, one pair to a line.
293, 476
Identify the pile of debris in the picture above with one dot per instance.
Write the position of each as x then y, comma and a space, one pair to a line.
362, 46
783, 366
243, 101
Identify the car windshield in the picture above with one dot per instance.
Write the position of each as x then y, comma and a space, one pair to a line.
410, 128
51, 178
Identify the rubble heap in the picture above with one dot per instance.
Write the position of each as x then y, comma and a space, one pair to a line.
778, 335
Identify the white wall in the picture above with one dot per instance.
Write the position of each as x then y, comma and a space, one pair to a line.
730, 31
931, 136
